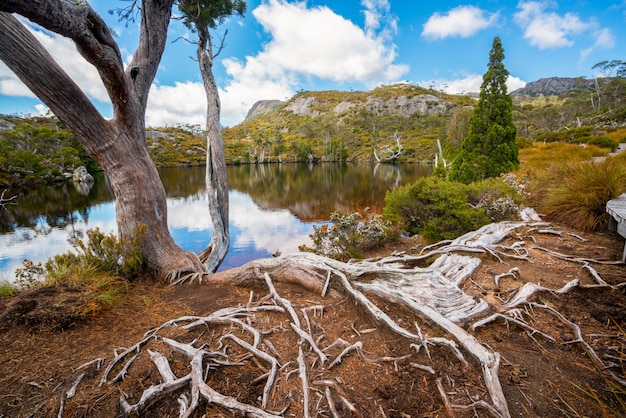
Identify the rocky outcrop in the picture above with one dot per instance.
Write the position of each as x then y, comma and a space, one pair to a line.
262, 107
406, 106
6, 125
553, 86
402, 105
303, 106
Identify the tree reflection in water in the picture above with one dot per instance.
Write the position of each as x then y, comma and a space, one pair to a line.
273, 208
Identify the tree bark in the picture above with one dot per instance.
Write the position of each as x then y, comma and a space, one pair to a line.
119, 144
216, 181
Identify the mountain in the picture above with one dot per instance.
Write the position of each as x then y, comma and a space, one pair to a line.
344, 126
553, 86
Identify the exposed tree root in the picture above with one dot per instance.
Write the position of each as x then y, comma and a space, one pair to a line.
245, 336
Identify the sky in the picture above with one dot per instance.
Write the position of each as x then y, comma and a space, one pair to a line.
282, 47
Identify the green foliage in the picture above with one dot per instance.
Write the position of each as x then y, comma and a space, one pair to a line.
177, 146
103, 253
348, 236
603, 142
7, 289
489, 149
435, 208
579, 135
38, 151
209, 14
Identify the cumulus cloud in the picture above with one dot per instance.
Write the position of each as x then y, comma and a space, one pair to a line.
545, 29
462, 21
184, 102
65, 54
312, 43
10, 85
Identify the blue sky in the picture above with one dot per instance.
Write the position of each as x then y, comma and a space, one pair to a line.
281, 47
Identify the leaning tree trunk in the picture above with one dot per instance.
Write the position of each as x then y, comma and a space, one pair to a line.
118, 145
216, 182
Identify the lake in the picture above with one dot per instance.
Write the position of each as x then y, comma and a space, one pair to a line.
272, 207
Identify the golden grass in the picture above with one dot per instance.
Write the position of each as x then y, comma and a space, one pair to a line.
566, 185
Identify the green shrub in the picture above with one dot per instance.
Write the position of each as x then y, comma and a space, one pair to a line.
438, 209
603, 142
348, 236
103, 253
7, 289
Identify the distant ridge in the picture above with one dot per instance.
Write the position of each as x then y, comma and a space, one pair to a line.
553, 86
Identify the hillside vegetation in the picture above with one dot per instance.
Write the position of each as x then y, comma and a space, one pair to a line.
396, 123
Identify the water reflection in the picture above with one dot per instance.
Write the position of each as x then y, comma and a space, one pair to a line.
272, 207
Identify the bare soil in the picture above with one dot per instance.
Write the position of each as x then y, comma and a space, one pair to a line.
43, 342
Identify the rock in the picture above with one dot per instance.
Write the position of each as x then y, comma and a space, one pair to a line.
498, 209
553, 86
81, 175
5, 125
262, 107
83, 181
400, 105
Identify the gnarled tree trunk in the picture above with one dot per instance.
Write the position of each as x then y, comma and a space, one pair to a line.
118, 144
216, 182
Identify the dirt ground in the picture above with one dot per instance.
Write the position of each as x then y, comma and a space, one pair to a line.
544, 373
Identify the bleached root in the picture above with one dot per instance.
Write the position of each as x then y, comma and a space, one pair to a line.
242, 337
239, 338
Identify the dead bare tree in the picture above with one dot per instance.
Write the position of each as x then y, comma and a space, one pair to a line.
201, 16
6, 200
388, 153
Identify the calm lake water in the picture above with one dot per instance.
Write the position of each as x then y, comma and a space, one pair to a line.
272, 207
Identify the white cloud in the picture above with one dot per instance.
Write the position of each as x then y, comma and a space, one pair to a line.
315, 43
463, 21
65, 54
470, 84
604, 40
10, 85
42, 110
547, 29
184, 102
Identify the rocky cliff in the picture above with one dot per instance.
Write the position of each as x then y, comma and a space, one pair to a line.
553, 86
262, 107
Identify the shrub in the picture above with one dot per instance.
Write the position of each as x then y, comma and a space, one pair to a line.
603, 142
348, 236
103, 253
435, 208
7, 289
30, 275
578, 198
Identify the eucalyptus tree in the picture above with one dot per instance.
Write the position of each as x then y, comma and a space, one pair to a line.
489, 149
117, 144
201, 16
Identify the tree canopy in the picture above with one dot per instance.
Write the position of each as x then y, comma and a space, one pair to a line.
489, 149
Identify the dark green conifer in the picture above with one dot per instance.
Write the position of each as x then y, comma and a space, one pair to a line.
489, 149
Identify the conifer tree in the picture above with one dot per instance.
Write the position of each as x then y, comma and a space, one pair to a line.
489, 149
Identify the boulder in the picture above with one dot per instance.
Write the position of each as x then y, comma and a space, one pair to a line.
82, 180
81, 175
